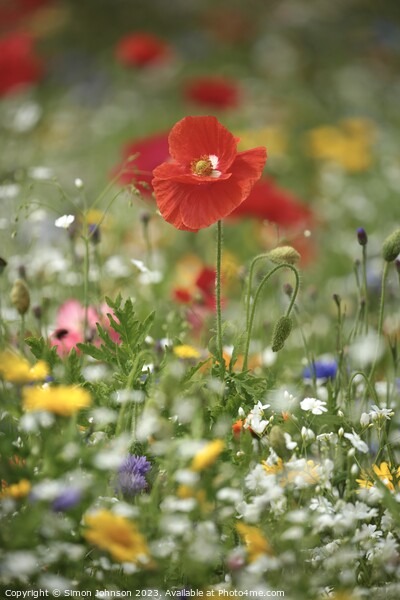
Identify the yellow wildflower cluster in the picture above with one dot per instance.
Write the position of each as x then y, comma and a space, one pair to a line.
307, 473
207, 455
384, 473
16, 490
256, 544
64, 400
349, 144
17, 369
114, 533
186, 351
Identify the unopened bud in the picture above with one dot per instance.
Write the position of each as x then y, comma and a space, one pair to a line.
281, 333
354, 470
145, 217
284, 254
277, 441
362, 236
391, 246
3, 264
337, 299
78, 183
20, 297
341, 432
94, 233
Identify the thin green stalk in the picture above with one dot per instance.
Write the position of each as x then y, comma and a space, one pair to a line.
365, 287
256, 298
369, 385
218, 299
86, 269
255, 260
22, 334
381, 312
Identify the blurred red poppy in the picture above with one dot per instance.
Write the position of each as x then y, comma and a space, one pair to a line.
141, 50
19, 65
207, 177
270, 202
147, 154
214, 92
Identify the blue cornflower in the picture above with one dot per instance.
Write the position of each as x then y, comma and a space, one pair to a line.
321, 369
131, 475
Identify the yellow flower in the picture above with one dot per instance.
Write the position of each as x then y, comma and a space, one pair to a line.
120, 537
207, 455
273, 469
16, 490
384, 474
186, 351
63, 400
348, 144
17, 369
256, 544
309, 474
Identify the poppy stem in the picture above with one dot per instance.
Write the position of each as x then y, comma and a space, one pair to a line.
218, 298
255, 301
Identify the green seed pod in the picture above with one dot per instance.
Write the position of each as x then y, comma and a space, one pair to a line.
391, 246
284, 254
20, 297
281, 333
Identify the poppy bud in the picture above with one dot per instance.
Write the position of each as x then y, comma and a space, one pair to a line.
20, 297
337, 299
281, 332
277, 441
284, 254
288, 289
3, 264
362, 236
391, 246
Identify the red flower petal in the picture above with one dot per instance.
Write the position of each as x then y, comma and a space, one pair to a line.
217, 92
269, 201
141, 49
194, 137
19, 65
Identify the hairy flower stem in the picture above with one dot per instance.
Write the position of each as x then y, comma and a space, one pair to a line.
220, 352
256, 298
365, 287
86, 268
381, 311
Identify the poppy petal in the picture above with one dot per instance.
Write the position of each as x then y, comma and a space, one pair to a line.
194, 137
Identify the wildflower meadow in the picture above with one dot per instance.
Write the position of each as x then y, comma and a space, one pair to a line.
199, 299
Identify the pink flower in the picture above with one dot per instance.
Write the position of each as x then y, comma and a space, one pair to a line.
70, 326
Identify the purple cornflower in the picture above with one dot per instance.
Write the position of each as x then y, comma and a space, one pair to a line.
131, 475
68, 499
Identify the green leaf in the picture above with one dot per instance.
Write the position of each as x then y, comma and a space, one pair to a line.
42, 351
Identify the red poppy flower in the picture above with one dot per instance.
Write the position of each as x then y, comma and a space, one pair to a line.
207, 177
148, 153
19, 66
141, 50
215, 92
270, 202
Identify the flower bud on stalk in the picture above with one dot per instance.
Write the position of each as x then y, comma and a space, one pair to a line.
284, 254
362, 236
281, 332
20, 297
391, 246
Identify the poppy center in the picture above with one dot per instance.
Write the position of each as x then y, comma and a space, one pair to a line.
202, 166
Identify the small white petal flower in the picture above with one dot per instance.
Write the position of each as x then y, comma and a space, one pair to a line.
364, 419
317, 407
65, 221
357, 442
